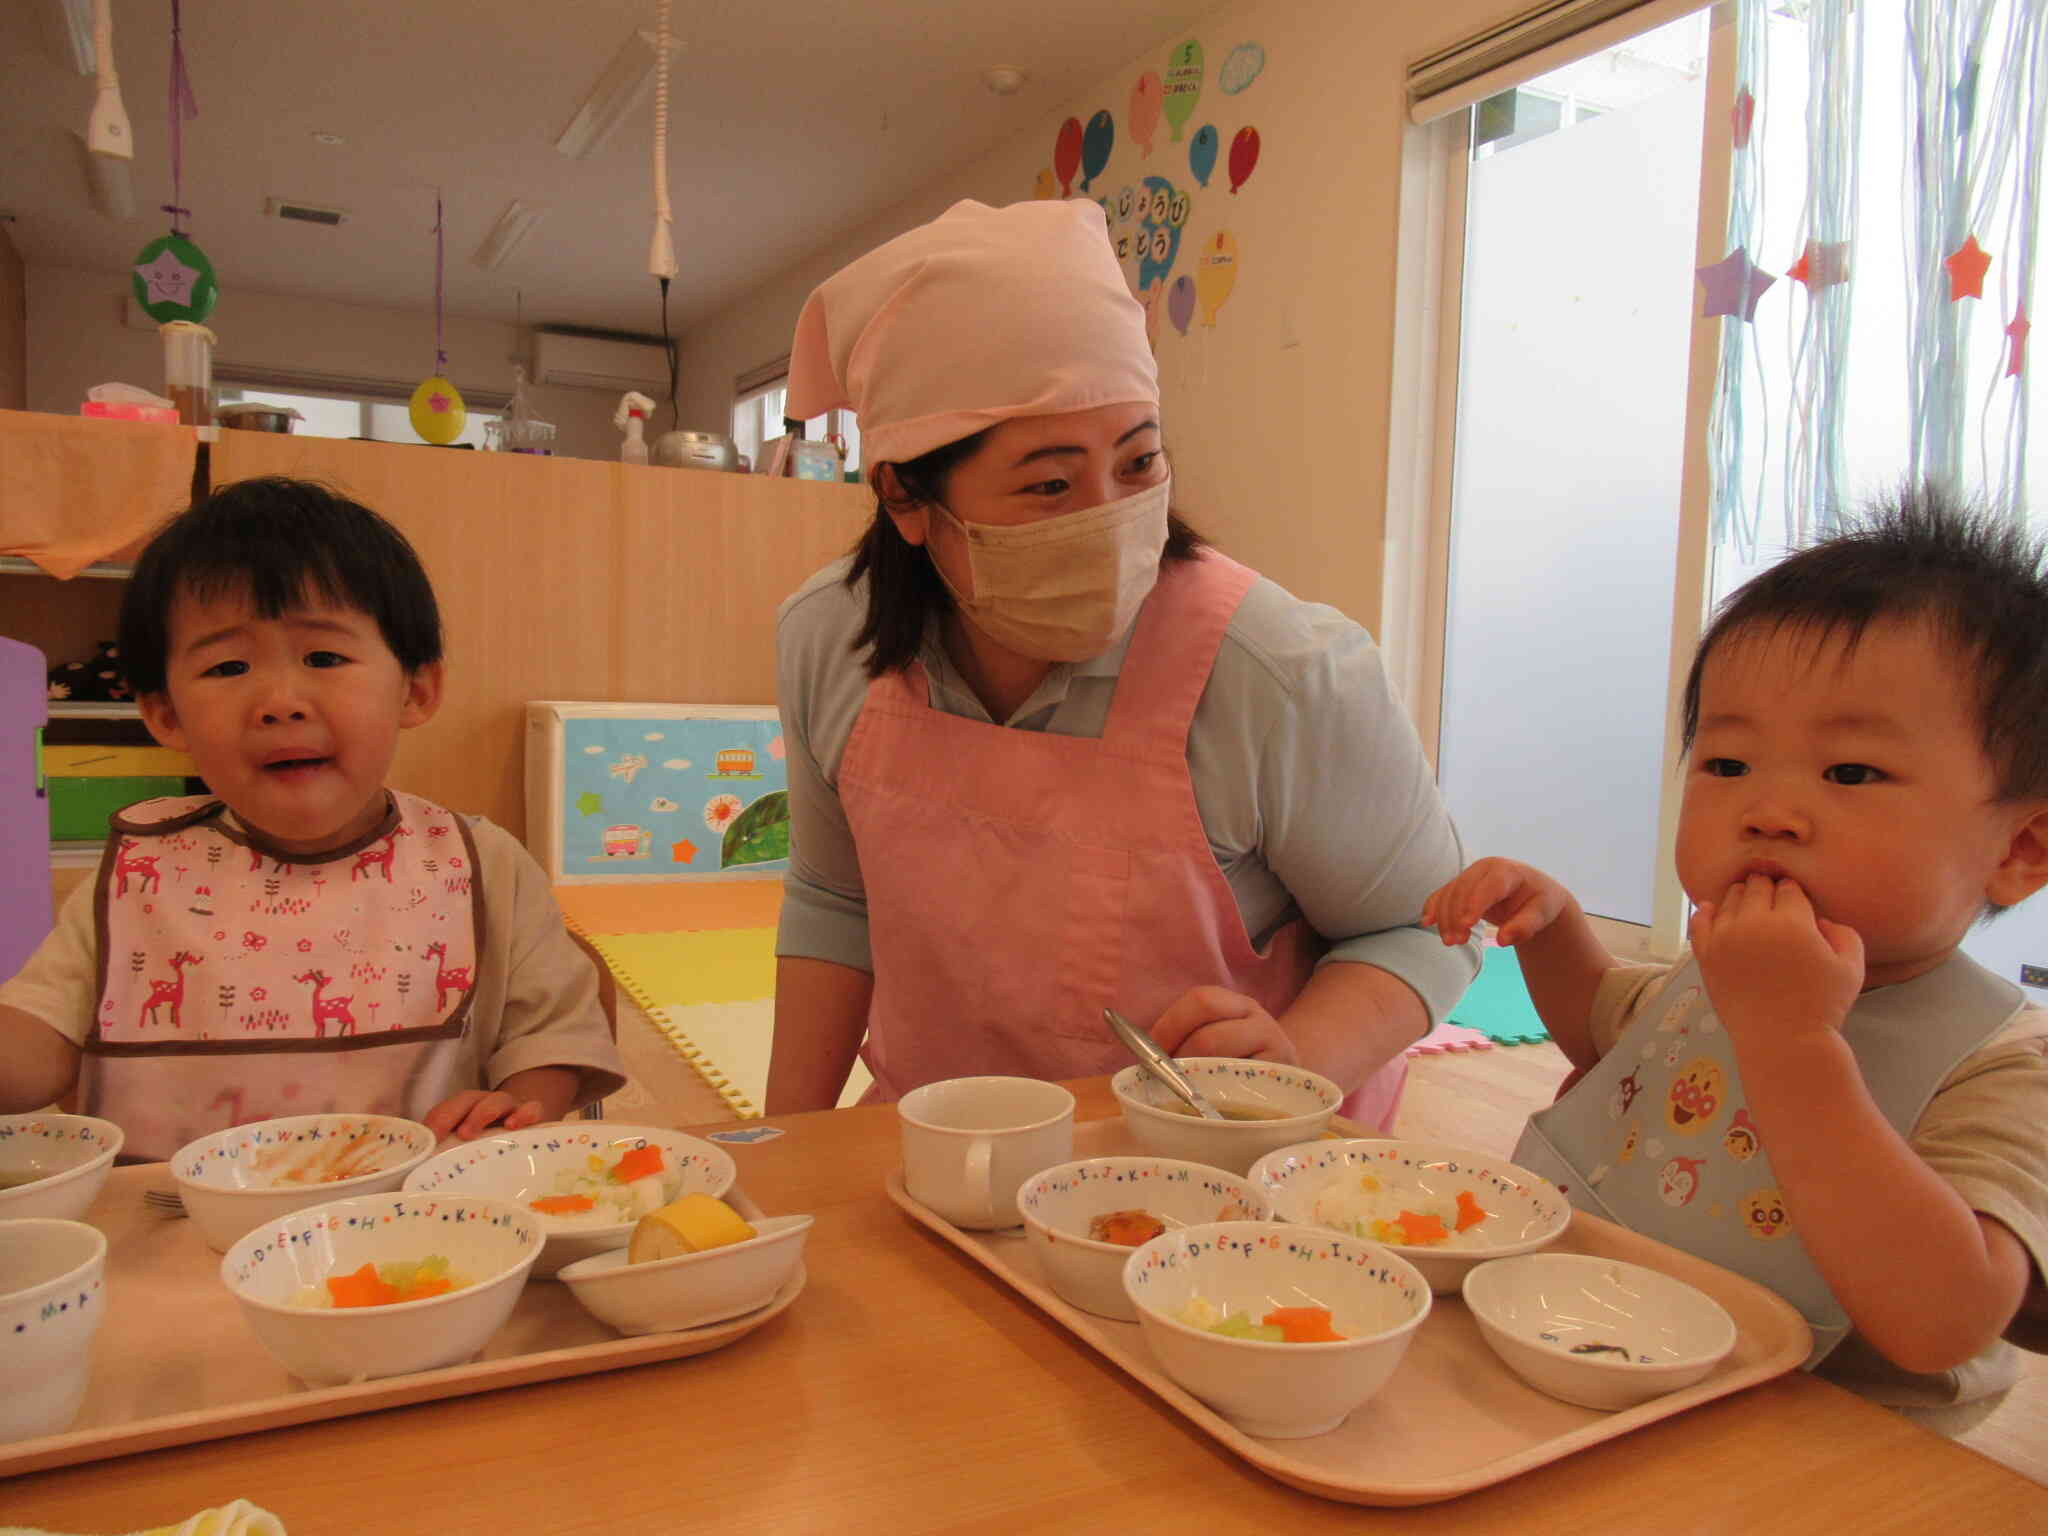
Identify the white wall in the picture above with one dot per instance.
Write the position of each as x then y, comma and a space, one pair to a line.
78, 336
1277, 418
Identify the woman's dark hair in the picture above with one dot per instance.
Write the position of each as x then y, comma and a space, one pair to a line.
1972, 573
277, 542
904, 590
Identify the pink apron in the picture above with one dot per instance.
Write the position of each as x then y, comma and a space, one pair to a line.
1019, 882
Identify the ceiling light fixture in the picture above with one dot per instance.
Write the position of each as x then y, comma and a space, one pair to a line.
513, 226
330, 139
1003, 79
618, 90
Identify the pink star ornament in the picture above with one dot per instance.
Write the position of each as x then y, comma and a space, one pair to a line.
168, 279
1733, 285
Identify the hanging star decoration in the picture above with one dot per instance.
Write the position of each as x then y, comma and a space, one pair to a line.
1966, 269
168, 279
2016, 333
1733, 285
1742, 117
1823, 264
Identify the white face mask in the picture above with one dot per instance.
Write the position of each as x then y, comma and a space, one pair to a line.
1065, 588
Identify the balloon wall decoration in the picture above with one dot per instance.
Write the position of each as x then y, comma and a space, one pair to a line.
1216, 274
1066, 154
1180, 303
1047, 185
1162, 211
1244, 155
1146, 97
1096, 143
1202, 152
1241, 68
1183, 85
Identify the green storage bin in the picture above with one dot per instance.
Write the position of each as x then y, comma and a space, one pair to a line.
79, 807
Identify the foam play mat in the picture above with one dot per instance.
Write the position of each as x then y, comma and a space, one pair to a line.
1497, 1003
699, 959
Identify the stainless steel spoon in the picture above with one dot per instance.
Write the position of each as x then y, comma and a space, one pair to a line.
1160, 1065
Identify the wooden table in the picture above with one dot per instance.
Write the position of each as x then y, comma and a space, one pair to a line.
908, 1391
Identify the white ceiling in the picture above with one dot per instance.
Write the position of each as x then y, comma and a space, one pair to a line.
788, 124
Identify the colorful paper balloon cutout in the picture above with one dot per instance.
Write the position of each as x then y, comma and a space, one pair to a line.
1146, 97
1096, 143
1241, 68
1180, 303
1159, 232
1202, 152
1066, 155
1244, 157
1047, 185
1216, 274
1183, 85
173, 280
437, 411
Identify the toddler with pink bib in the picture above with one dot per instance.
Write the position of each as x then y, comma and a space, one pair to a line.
300, 938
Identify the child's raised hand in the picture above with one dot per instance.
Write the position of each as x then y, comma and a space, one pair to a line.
1519, 900
1768, 958
473, 1111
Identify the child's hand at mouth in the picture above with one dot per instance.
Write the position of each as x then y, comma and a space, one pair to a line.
1772, 965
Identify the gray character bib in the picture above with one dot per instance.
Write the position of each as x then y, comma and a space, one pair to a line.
1658, 1136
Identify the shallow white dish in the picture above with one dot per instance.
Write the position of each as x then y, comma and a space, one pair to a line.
1642, 1333
1305, 1101
1277, 1391
51, 1303
64, 1158
487, 1242
1524, 1211
1058, 1204
523, 1166
692, 1289
247, 1176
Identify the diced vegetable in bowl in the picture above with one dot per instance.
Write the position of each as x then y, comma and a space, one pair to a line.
1443, 1209
587, 1182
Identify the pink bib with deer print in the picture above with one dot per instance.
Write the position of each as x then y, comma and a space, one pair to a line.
335, 982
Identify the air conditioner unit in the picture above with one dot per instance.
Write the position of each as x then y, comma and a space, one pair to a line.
600, 362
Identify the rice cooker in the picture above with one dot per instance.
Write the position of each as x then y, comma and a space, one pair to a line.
696, 450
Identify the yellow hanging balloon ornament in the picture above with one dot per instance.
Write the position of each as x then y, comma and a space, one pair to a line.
437, 411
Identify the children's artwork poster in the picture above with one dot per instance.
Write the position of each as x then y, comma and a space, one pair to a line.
1159, 190
673, 796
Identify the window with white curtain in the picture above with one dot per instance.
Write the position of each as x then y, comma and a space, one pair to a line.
1607, 461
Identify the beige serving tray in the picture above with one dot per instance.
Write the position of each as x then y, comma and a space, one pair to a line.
175, 1362
1453, 1418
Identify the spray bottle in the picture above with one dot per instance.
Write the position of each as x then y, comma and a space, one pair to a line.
630, 418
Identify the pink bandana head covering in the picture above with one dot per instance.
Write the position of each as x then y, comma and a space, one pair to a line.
981, 315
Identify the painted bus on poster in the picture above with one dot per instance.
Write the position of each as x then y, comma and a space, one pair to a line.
655, 791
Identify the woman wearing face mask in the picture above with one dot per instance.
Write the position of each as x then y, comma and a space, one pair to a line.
1047, 752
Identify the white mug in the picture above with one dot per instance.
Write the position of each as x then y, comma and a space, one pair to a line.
969, 1143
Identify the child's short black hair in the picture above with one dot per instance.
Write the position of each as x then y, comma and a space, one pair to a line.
277, 542
1973, 573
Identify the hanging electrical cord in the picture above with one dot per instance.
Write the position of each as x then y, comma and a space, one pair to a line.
661, 254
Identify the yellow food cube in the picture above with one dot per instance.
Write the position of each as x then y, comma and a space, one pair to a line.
689, 1225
